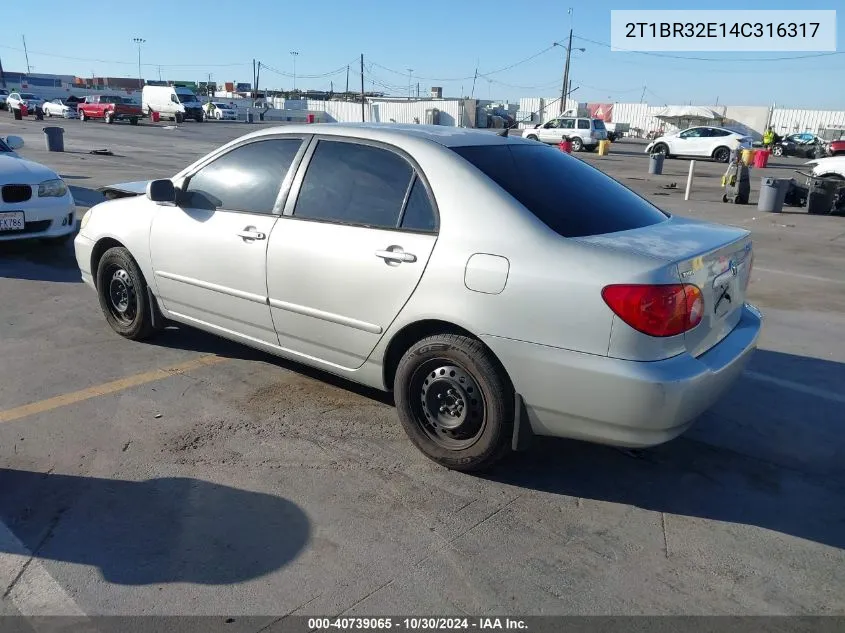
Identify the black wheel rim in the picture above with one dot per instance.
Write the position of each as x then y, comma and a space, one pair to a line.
448, 405
122, 299
722, 155
661, 149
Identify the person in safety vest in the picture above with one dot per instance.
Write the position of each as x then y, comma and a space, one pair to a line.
768, 138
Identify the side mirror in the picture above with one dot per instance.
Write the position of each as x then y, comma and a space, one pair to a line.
161, 191
14, 142
538, 125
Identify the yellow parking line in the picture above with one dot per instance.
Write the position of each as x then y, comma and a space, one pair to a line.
106, 388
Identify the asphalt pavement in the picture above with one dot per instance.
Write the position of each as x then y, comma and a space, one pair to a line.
190, 475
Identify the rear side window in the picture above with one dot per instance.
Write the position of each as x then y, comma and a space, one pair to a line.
570, 197
419, 214
598, 124
583, 124
352, 183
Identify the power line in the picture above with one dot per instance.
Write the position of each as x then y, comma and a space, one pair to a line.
113, 61
480, 74
709, 59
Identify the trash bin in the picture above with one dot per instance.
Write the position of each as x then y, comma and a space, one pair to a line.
260, 116
54, 136
39, 114
761, 158
565, 146
747, 157
309, 118
655, 164
16, 112
772, 194
250, 117
604, 148
820, 197
155, 117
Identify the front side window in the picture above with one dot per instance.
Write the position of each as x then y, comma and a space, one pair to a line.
245, 179
567, 124
350, 183
693, 133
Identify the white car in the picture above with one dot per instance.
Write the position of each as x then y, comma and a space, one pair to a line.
221, 111
707, 141
3, 94
498, 286
831, 167
57, 107
15, 99
34, 200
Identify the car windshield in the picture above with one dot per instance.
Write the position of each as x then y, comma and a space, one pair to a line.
28, 95
568, 195
183, 98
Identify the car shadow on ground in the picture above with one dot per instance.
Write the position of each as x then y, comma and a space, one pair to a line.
766, 455
38, 260
163, 530
180, 336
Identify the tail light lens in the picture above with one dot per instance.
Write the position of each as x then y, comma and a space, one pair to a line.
656, 310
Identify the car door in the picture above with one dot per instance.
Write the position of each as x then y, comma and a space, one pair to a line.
357, 232
690, 142
209, 250
548, 131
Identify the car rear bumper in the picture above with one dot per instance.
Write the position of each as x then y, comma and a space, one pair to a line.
620, 402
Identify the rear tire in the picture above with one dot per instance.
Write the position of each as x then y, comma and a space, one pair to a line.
455, 402
777, 150
82, 116
721, 154
133, 120
122, 291
577, 144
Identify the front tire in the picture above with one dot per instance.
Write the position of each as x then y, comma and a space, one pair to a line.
661, 148
123, 296
533, 137
133, 120
82, 116
178, 118
109, 118
455, 402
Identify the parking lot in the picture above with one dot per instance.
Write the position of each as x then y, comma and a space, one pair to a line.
190, 475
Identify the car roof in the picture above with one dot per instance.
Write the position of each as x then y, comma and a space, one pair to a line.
440, 134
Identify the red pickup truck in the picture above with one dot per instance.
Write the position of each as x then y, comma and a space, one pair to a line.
109, 107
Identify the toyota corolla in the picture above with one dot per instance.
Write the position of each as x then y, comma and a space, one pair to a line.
499, 287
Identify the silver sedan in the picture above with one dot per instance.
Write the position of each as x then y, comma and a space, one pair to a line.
499, 287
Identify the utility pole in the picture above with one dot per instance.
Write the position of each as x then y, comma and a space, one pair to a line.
410, 74
642, 96
139, 41
208, 88
28, 70
566, 73
258, 79
347, 80
2, 76
159, 73
363, 118
418, 90
472, 94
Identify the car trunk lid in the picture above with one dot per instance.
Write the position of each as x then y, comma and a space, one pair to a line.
715, 258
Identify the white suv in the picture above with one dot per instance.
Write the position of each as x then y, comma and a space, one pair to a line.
584, 133
712, 142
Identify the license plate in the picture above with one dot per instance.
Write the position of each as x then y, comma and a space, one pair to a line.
12, 221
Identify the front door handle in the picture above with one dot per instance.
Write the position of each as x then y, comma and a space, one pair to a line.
250, 234
396, 256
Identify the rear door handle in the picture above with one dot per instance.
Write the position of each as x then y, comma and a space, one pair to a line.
397, 256
248, 234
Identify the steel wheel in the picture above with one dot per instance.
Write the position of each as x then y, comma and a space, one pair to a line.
122, 298
777, 150
451, 409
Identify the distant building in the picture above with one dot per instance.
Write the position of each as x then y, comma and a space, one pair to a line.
35, 81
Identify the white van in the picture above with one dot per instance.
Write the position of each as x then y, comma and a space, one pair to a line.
172, 103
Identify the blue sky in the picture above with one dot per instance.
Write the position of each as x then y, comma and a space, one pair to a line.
441, 40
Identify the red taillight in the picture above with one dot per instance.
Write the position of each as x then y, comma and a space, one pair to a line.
656, 310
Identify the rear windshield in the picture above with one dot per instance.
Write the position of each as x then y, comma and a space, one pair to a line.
598, 124
569, 196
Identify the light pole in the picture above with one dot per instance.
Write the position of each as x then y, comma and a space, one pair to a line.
139, 41
410, 74
294, 54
